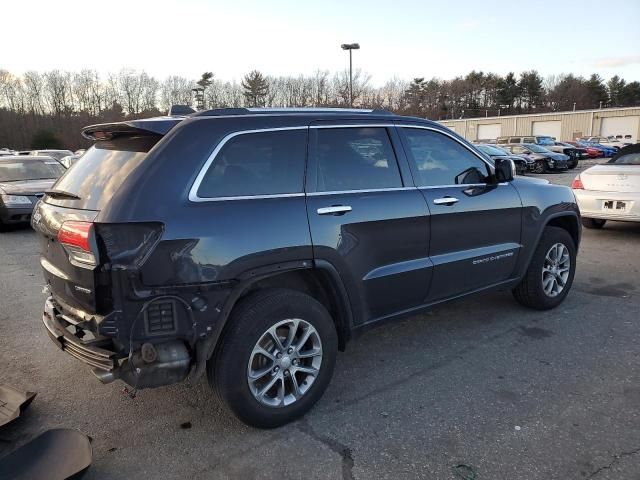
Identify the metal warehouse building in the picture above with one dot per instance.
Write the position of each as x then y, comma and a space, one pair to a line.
624, 123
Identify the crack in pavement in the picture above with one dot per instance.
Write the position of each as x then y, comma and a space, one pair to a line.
615, 459
346, 455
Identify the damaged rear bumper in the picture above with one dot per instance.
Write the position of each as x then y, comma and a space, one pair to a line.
164, 363
85, 351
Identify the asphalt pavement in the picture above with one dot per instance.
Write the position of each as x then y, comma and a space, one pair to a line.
478, 388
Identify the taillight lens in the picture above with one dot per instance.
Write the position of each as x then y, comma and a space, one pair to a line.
577, 183
76, 238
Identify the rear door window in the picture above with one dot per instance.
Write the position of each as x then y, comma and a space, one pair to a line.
101, 172
355, 158
257, 163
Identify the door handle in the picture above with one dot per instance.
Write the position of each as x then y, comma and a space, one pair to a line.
334, 210
446, 201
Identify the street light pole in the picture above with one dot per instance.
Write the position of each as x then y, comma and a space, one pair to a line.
350, 47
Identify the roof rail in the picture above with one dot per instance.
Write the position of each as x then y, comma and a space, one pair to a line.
270, 110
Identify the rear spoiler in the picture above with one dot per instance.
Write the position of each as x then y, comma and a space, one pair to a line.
150, 126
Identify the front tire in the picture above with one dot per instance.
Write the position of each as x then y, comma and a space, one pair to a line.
539, 167
276, 357
550, 274
596, 223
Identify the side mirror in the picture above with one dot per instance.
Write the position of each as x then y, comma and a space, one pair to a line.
505, 170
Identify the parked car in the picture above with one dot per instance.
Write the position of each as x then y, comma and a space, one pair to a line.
574, 153
544, 140
69, 160
494, 152
609, 141
592, 152
541, 158
254, 243
23, 180
57, 154
606, 151
610, 191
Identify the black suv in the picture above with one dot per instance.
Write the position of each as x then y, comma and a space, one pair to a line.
253, 244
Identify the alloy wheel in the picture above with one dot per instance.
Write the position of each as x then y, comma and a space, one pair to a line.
555, 270
284, 363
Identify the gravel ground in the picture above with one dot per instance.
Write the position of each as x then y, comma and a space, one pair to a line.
483, 384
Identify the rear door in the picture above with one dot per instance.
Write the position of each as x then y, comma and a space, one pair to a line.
367, 218
78, 196
475, 224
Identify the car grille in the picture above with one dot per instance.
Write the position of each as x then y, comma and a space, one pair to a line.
160, 318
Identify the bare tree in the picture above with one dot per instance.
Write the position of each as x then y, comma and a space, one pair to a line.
175, 90
58, 92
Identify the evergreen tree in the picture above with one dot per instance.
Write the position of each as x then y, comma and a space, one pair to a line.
415, 97
597, 91
256, 88
530, 86
508, 91
615, 88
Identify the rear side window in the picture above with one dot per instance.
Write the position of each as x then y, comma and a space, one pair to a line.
101, 171
355, 159
260, 163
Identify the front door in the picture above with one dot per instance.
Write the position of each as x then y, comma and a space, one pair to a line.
475, 223
367, 218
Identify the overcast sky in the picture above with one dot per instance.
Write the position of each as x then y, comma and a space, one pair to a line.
402, 38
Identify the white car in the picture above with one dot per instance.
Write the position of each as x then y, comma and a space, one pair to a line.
610, 191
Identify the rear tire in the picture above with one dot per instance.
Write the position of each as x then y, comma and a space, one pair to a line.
545, 284
572, 163
596, 223
249, 358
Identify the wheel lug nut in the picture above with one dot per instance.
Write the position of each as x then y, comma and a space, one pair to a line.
276, 368
279, 355
286, 373
290, 350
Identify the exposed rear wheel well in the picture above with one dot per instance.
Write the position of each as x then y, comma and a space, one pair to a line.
317, 284
568, 223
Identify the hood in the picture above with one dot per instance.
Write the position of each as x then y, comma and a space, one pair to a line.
26, 187
558, 156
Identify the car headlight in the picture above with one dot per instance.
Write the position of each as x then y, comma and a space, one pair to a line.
15, 199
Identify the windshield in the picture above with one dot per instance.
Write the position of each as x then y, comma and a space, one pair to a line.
57, 154
490, 150
546, 141
20, 170
536, 148
627, 156
102, 170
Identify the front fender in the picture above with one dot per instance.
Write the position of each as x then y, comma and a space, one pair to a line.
544, 204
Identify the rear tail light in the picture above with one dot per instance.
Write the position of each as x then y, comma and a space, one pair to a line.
577, 183
77, 239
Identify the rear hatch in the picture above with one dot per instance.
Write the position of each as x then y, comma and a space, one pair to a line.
612, 178
64, 218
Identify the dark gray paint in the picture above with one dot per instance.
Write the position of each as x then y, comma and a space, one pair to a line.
394, 253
